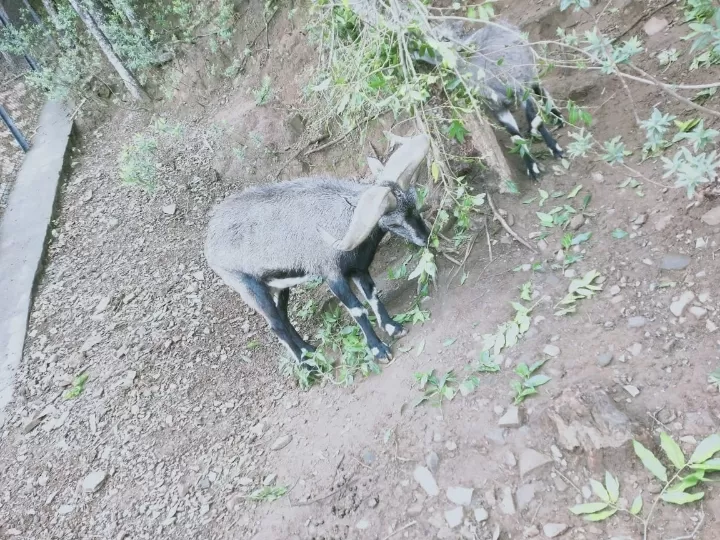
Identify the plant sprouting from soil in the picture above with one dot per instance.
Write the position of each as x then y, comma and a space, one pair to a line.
678, 488
268, 493
529, 382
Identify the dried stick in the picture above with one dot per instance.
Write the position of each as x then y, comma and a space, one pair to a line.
691, 536
487, 234
401, 529
507, 227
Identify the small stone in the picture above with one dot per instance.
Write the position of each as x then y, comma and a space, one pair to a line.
112, 223
200, 276
640, 220
678, 307
524, 496
674, 262
531, 460
102, 305
577, 221
711, 326
169, 209
451, 446
363, 524
460, 495
598, 177
632, 390
454, 517
510, 460
703, 297
542, 245
65, 509
481, 514
635, 349
663, 222
93, 481
281, 442
90, 342
712, 217
637, 322
551, 350
531, 532
373, 502
269, 479
604, 359
511, 418
615, 290
432, 461
369, 457
507, 504
414, 510
655, 25
553, 530
697, 312
424, 477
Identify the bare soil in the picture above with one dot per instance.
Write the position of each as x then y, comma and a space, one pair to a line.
184, 400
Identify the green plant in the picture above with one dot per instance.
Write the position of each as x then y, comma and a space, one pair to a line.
264, 93
508, 333
528, 383
675, 486
714, 378
137, 162
435, 388
268, 493
579, 289
77, 387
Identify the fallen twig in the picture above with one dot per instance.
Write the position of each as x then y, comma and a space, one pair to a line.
401, 529
507, 227
487, 234
329, 144
691, 536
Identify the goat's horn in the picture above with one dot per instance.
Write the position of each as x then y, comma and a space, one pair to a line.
373, 204
376, 168
404, 163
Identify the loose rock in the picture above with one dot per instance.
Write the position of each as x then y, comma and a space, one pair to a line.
424, 477
604, 359
432, 461
577, 221
637, 322
553, 530
460, 495
531, 460
551, 350
454, 517
655, 25
678, 306
697, 312
93, 481
169, 209
712, 217
674, 262
481, 514
281, 442
507, 504
511, 418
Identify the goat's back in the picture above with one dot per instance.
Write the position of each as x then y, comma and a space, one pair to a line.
276, 228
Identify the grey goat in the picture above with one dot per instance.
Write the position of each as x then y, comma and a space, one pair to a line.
264, 240
502, 69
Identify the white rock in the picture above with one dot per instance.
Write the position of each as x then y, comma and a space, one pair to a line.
66, 509
507, 503
678, 307
424, 477
460, 495
697, 312
169, 209
531, 460
454, 517
281, 442
553, 530
363, 524
511, 418
551, 350
94, 481
712, 217
711, 326
632, 390
481, 514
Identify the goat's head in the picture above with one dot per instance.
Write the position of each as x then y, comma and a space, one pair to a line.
391, 203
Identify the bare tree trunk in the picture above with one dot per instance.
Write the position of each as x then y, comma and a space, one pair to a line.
51, 11
127, 77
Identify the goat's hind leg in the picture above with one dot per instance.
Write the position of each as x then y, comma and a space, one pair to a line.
258, 296
341, 289
537, 126
367, 287
281, 300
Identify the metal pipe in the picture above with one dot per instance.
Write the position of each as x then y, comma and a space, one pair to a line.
22, 141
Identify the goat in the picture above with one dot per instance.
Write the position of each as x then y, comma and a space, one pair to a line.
266, 239
501, 69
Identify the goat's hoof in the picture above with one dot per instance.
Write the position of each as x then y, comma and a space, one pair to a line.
395, 330
382, 353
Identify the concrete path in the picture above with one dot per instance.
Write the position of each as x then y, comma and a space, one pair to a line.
23, 232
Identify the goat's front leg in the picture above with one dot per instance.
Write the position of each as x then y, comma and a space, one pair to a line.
341, 289
508, 121
367, 286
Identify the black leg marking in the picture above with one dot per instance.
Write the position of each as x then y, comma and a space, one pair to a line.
509, 123
258, 296
367, 286
537, 126
341, 288
282, 303
545, 96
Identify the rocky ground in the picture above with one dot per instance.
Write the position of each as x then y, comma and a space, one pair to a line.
184, 413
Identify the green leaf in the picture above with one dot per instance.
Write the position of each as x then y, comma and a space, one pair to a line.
636, 505
619, 234
574, 192
689, 481
600, 516
537, 380
672, 450
600, 491
580, 238
651, 463
588, 508
709, 465
678, 497
435, 170
613, 487
706, 449
449, 341
420, 348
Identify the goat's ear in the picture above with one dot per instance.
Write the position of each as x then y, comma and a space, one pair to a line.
376, 168
373, 204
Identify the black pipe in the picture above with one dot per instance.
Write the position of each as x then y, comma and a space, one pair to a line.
13, 129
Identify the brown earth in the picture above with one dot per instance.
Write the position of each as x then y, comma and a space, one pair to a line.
184, 399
